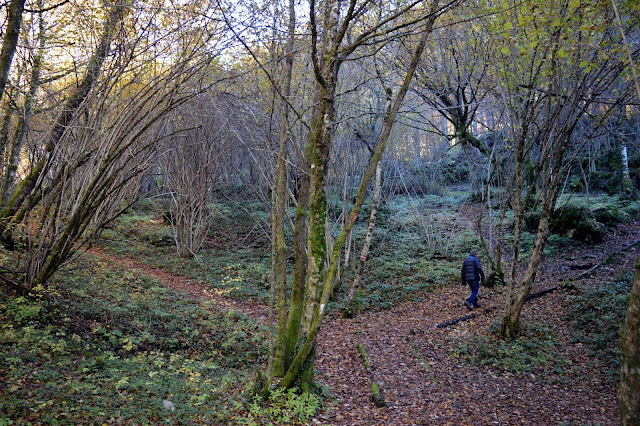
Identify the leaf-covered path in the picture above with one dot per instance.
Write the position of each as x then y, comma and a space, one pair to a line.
416, 364
423, 382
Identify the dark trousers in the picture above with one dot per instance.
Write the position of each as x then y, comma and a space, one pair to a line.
475, 288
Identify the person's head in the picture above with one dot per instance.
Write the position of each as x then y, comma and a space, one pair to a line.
473, 253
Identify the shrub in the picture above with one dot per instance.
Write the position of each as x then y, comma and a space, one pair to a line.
576, 222
608, 214
282, 407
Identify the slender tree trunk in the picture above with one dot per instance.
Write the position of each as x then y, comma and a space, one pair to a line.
509, 323
355, 284
627, 185
281, 256
282, 185
511, 320
296, 306
272, 282
629, 393
10, 41
13, 154
345, 203
5, 146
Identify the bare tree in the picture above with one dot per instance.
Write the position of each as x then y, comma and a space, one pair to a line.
328, 52
190, 166
105, 134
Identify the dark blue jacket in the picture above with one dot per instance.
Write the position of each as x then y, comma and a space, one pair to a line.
471, 270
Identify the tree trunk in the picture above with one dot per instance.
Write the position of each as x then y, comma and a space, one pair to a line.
5, 146
629, 393
13, 154
115, 15
355, 285
627, 185
511, 320
10, 42
296, 306
281, 196
316, 278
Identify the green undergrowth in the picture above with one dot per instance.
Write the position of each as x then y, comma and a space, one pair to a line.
104, 345
401, 274
596, 315
282, 407
535, 350
415, 248
235, 257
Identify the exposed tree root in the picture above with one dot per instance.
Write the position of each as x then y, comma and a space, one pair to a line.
422, 360
16, 286
455, 321
542, 293
597, 265
464, 318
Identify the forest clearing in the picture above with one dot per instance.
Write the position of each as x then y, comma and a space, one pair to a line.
338, 213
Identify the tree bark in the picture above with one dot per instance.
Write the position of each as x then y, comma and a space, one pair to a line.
355, 284
10, 42
281, 188
13, 154
629, 393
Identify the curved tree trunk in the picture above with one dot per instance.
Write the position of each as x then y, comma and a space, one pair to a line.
15, 202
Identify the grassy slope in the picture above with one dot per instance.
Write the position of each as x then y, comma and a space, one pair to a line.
109, 346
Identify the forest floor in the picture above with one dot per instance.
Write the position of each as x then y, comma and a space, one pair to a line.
428, 375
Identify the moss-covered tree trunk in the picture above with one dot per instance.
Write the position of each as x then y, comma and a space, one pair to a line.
281, 196
319, 286
629, 393
15, 146
296, 305
10, 41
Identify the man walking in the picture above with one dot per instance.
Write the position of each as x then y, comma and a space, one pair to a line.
472, 274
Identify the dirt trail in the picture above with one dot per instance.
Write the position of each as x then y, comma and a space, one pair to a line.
179, 283
421, 379
424, 383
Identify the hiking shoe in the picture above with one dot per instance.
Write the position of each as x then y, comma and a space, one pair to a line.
468, 305
476, 306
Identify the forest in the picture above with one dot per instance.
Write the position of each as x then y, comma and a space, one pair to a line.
264, 212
